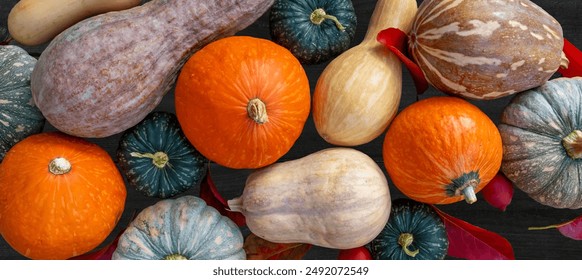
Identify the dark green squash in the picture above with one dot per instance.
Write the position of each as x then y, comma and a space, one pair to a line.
313, 30
414, 232
157, 159
19, 116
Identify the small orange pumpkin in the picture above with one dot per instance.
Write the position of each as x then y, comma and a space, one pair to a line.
441, 150
60, 196
242, 101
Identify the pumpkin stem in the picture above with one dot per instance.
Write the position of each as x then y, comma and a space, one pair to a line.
257, 111
573, 144
469, 192
564, 61
173, 257
159, 159
464, 185
405, 240
59, 166
235, 204
319, 15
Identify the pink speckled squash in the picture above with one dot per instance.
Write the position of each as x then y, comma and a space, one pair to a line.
105, 74
483, 49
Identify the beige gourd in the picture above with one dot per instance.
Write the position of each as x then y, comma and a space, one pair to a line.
335, 198
33, 22
358, 93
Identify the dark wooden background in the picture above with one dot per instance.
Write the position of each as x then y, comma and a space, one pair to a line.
512, 224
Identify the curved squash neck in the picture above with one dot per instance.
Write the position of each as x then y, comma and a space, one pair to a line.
391, 13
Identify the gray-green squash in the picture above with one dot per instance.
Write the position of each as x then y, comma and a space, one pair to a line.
19, 117
541, 131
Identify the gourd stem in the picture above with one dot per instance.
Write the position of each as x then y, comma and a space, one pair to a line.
257, 110
564, 61
405, 240
469, 194
319, 15
159, 159
59, 166
573, 144
235, 204
174, 257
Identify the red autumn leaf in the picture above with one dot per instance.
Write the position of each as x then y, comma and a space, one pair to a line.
261, 249
359, 253
571, 229
498, 192
209, 193
575, 57
467, 241
396, 41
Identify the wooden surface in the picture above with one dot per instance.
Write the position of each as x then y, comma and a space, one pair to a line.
511, 224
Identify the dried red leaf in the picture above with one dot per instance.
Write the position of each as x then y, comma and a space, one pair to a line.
467, 241
571, 229
396, 41
359, 253
498, 192
209, 193
261, 249
575, 57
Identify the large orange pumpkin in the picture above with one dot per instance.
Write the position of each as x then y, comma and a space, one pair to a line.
442, 150
60, 196
242, 101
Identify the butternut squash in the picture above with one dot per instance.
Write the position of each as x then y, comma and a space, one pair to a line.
335, 198
358, 93
33, 22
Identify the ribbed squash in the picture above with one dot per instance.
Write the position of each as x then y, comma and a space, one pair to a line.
541, 131
183, 228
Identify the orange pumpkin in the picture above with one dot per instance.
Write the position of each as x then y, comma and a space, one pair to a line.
242, 101
441, 150
60, 196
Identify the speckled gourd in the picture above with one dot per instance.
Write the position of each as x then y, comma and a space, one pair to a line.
105, 74
483, 49
541, 131
335, 198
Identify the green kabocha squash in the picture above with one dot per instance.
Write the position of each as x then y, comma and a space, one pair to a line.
313, 30
414, 232
20, 117
157, 159
541, 132
183, 228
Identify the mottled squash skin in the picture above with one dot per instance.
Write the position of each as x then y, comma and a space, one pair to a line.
482, 49
182, 228
105, 74
537, 128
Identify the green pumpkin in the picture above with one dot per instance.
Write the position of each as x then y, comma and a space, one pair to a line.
313, 30
183, 228
414, 232
19, 116
541, 131
157, 159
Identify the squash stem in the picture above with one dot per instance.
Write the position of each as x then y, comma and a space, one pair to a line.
405, 240
469, 194
319, 15
573, 144
159, 159
235, 204
257, 110
564, 61
174, 257
59, 166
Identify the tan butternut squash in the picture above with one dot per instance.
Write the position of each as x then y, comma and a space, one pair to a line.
335, 198
33, 22
358, 93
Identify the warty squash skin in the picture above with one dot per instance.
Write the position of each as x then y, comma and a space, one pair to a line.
482, 49
33, 22
335, 198
542, 142
358, 93
105, 74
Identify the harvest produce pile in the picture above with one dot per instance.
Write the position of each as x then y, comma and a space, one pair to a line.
287, 129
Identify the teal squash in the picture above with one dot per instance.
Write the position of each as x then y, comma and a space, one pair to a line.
20, 117
157, 159
313, 30
183, 228
414, 232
